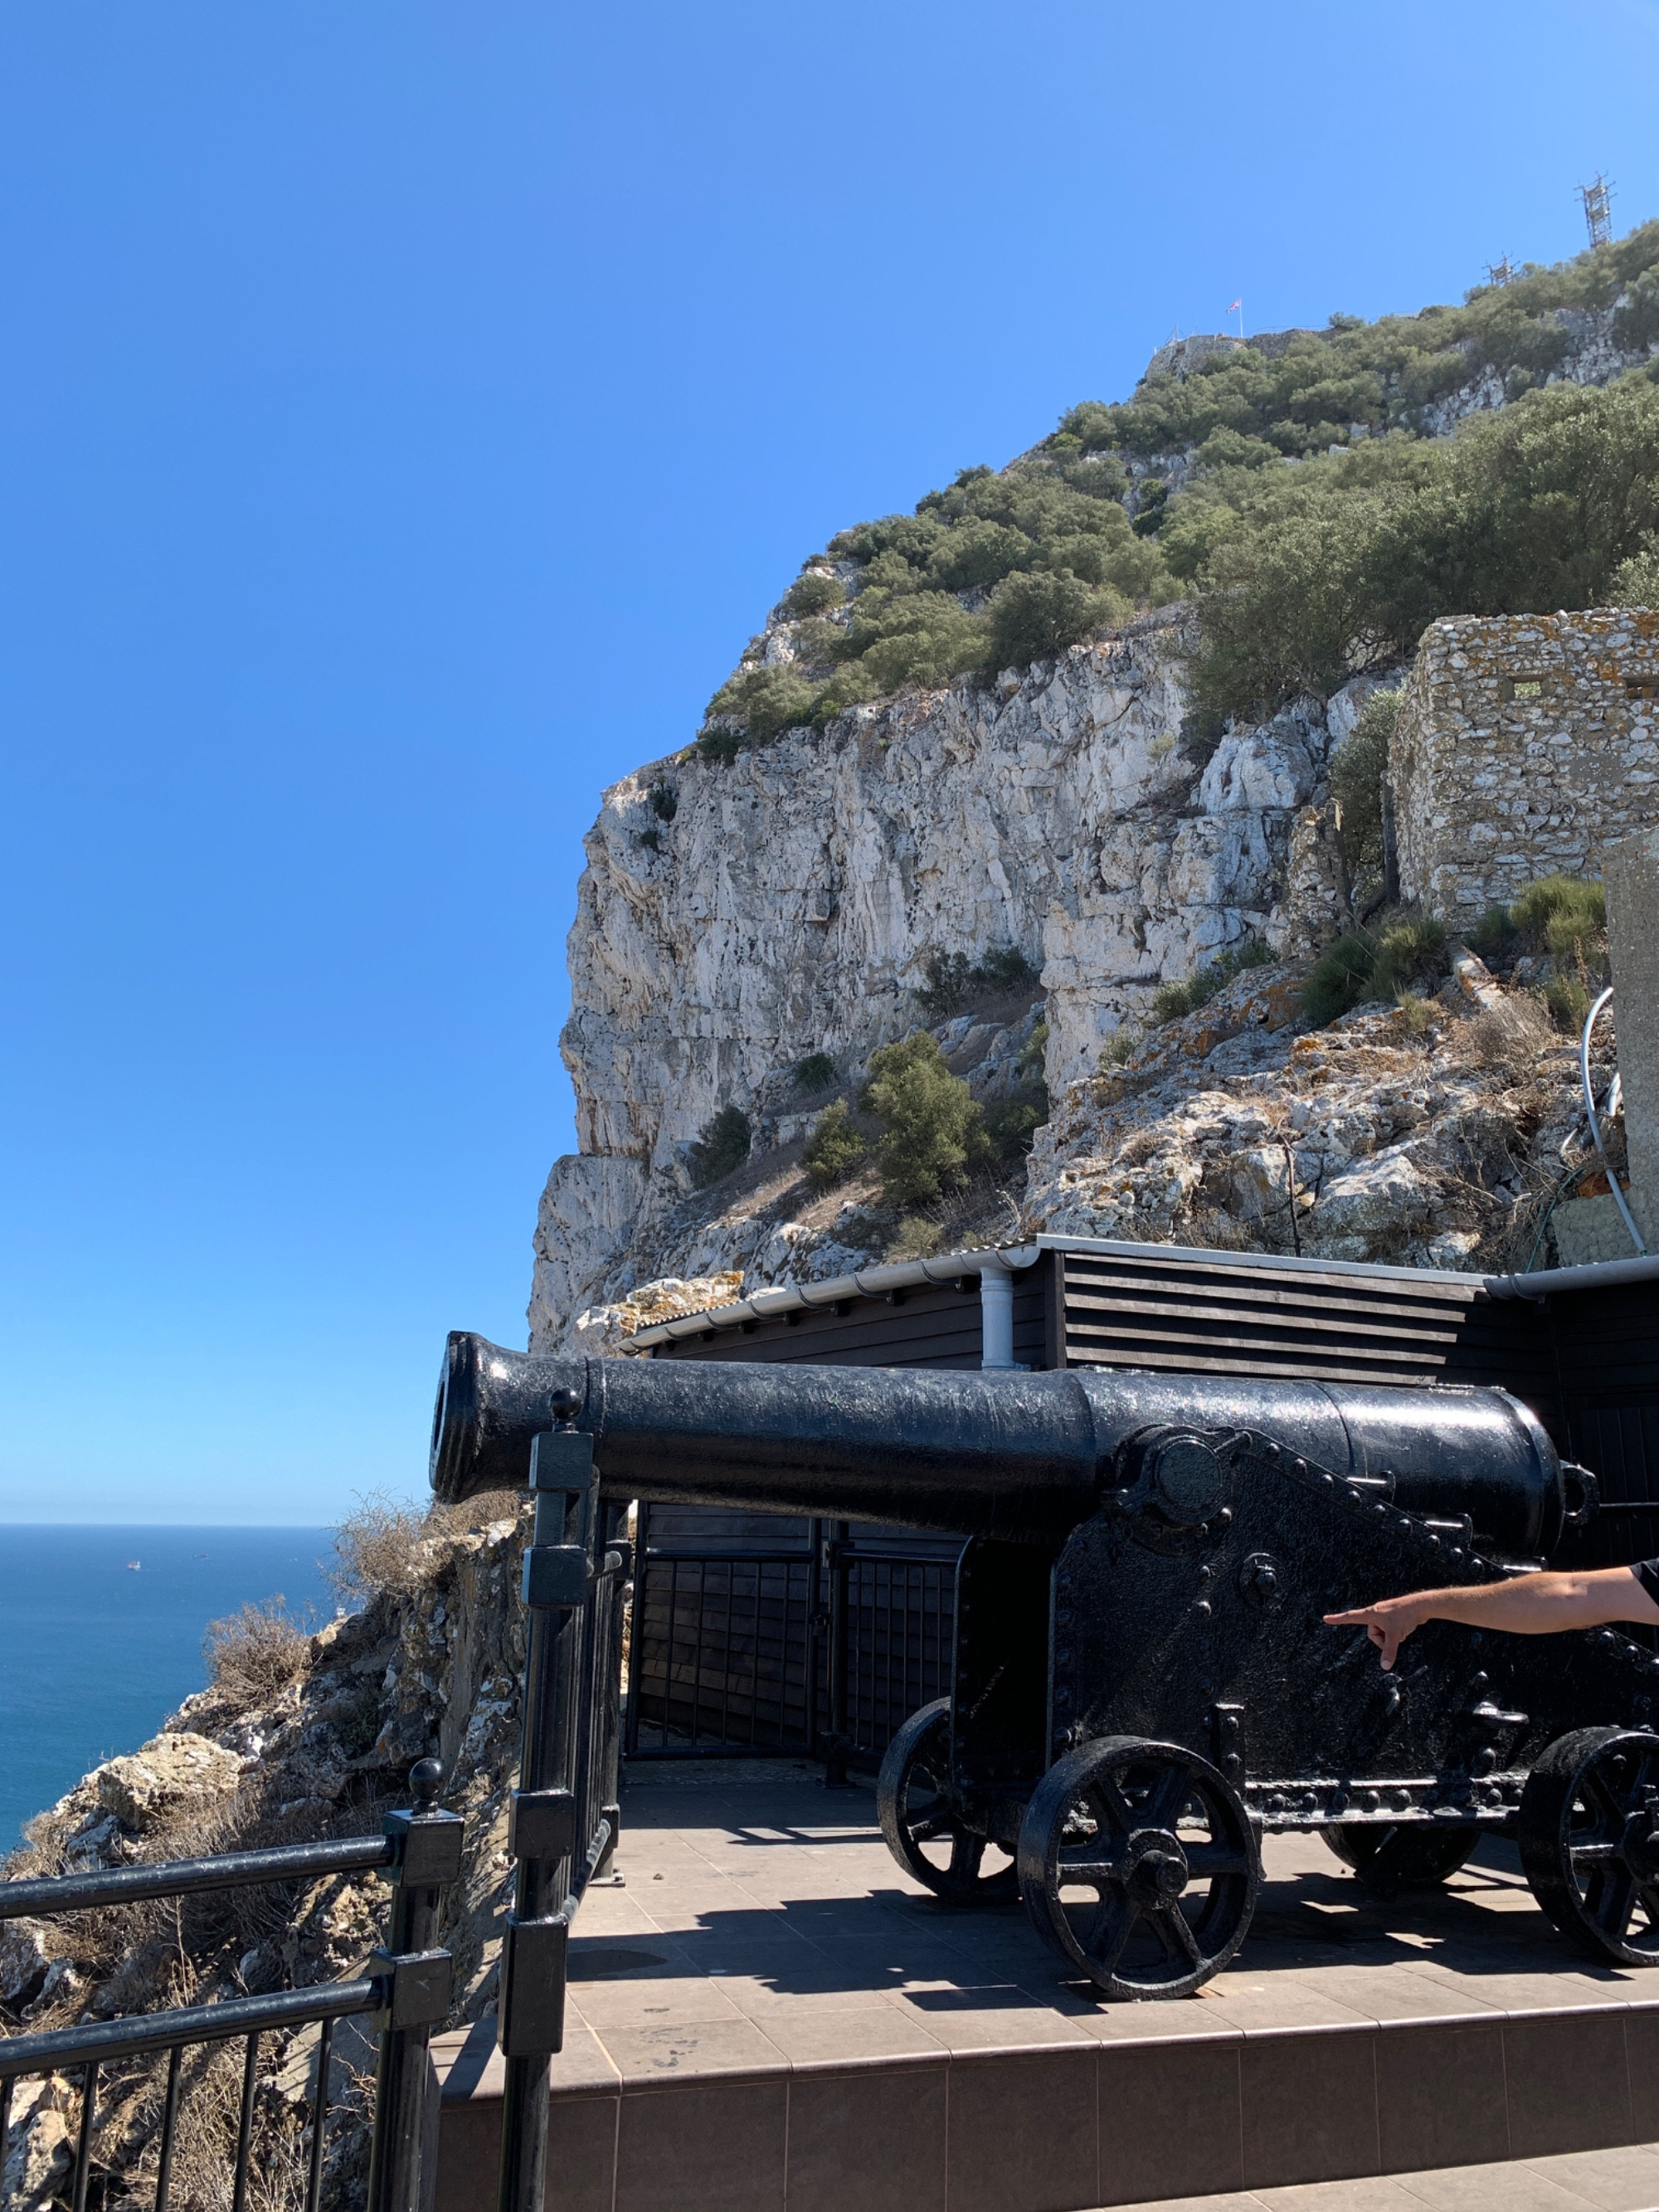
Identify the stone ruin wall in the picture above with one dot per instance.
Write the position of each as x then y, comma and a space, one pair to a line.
1527, 745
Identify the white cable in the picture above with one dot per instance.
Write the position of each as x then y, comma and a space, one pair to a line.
1590, 1019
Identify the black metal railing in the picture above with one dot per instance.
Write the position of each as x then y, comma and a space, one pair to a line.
407, 1994
564, 1820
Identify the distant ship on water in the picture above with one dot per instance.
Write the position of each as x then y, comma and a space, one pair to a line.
134, 1566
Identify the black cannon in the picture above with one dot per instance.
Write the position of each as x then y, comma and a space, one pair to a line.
1142, 1678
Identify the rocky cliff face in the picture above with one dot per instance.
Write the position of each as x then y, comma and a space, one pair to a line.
789, 905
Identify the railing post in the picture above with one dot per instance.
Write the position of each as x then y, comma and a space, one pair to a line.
636, 1641
609, 1691
839, 1554
542, 1835
403, 2159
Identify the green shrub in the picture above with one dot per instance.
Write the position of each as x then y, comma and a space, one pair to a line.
916, 637
834, 1148
651, 838
1118, 1047
1494, 935
932, 1129
1304, 578
1568, 1002
810, 1076
765, 700
1034, 1050
1362, 967
1636, 581
1151, 494
813, 593
1410, 950
1011, 1123
955, 983
721, 1146
664, 801
1338, 979
918, 1239
1174, 999
1357, 768
1033, 618
1561, 915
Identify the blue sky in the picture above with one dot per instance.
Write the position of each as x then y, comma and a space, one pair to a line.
406, 413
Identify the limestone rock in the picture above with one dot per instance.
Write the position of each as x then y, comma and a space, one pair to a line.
607, 1329
790, 906
22, 1959
170, 1775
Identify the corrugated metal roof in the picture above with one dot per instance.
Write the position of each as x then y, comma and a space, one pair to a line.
955, 1267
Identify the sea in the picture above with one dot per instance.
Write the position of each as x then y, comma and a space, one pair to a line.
101, 1636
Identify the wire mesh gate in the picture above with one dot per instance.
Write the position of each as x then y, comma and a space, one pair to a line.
763, 1634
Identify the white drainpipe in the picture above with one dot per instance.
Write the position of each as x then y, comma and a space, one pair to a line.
996, 1308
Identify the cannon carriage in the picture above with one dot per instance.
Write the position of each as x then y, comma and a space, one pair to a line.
1142, 1679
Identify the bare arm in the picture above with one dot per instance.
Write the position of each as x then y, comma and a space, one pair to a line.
1528, 1605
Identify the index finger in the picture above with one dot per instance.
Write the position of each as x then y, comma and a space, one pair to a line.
1361, 1617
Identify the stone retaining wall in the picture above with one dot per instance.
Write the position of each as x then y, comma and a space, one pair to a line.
1526, 745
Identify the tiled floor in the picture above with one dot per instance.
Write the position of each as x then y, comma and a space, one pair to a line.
770, 2015
1625, 2180
763, 1917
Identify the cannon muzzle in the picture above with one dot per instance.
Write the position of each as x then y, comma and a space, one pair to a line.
1020, 1457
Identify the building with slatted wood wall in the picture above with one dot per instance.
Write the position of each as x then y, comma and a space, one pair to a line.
729, 1654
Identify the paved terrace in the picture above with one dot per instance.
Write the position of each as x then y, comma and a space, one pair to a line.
771, 2015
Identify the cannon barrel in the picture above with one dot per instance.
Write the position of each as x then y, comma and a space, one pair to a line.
1023, 1457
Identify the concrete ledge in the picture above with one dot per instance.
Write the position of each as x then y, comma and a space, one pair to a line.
1058, 2128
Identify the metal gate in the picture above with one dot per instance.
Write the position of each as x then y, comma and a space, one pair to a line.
762, 1633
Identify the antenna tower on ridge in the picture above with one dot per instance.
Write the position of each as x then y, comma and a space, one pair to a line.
1501, 271
1598, 210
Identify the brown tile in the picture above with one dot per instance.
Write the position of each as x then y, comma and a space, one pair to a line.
1285, 2001
995, 2019
1370, 2195
1147, 2023
1234, 2200
759, 1999
874, 2139
1510, 2188
1309, 2105
609, 2005
581, 2154
709, 2146
469, 2155
807, 2036
1642, 2061
1622, 2180
1168, 2118
1396, 1993
1440, 2096
583, 2064
1023, 2132
648, 2056
1568, 2088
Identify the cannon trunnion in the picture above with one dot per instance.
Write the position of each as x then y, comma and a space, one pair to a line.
1143, 1680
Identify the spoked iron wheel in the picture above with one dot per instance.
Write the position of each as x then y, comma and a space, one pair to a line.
1590, 1841
1136, 1860
923, 1830
1393, 1856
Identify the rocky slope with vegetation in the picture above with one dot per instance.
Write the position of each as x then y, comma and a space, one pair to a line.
1093, 725
298, 1736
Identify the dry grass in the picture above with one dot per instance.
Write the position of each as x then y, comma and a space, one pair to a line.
385, 1548
253, 1654
1511, 1034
